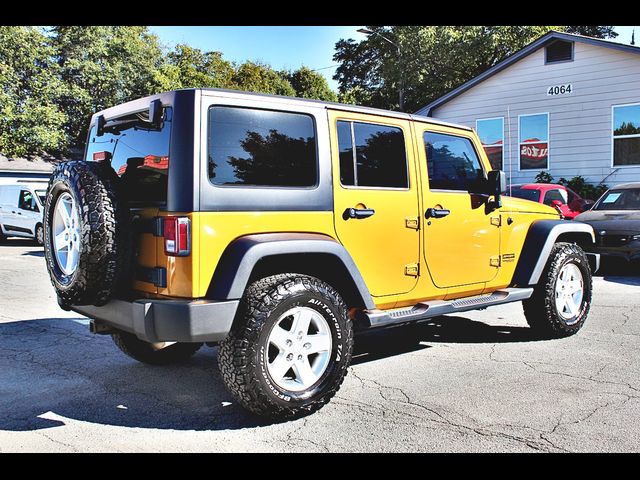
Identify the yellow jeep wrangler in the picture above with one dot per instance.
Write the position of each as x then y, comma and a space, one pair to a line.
278, 228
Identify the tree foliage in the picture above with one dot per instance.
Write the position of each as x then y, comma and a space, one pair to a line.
427, 61
193, 68
101, 67
31, 117
274, 159
310, 84
593, 31
52, 81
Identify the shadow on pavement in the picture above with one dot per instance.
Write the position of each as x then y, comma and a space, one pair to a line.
619, 271
55, 367
444, 329
34, 253
19, 242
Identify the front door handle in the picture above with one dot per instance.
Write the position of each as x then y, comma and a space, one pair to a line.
358, 213
436, 212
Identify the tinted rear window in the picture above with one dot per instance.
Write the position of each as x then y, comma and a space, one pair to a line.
255, 147
526, 194
140, 156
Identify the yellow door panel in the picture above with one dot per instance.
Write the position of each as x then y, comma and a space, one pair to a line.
461, 235
459, 247
382, 242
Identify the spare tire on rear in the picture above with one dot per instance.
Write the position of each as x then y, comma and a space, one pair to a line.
86, 234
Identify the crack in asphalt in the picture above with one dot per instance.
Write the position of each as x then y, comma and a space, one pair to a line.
626, 319
58, 442
441, 419
292, 441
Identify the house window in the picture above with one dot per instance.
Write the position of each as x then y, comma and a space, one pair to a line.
558, 51
626, 135
534, 141
491, 133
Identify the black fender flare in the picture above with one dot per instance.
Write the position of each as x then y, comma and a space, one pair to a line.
237, 262
541, 237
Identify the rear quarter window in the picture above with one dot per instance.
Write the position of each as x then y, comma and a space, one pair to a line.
262, 148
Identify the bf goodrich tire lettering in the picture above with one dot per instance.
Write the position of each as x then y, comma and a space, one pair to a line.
546, 311
246, 354
103, 233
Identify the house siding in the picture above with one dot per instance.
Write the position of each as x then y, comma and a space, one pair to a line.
580, 141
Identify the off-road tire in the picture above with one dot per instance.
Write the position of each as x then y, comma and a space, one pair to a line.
105, 244
39, 235
242, 360
540, 310
144, 352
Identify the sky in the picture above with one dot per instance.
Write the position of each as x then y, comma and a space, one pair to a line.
288, 47
284, 47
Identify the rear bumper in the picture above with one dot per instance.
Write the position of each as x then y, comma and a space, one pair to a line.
166, 320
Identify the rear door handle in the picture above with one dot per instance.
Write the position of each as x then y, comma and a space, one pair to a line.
358, 213
436, 212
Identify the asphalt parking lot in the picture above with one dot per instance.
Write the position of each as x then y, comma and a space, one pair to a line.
478, 382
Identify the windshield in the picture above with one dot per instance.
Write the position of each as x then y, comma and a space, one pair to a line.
526, 194
42, 196
627, 199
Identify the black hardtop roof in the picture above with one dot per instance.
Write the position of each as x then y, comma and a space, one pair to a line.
167, 97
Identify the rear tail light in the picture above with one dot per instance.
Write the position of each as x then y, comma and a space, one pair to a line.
177, 236
102, 156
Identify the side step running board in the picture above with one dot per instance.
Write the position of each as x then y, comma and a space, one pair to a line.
434, 308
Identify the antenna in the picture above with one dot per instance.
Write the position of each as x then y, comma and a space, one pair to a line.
633, 36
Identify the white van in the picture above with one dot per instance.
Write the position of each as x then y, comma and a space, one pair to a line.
21, 210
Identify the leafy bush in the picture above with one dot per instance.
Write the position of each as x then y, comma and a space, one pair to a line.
579, 185
544, 177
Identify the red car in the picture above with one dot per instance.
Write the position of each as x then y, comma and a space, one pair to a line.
563, 199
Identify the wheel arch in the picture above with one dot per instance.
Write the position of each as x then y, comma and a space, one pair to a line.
252, 257
541, 237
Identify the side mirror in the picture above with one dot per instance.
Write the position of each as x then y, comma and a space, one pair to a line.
556, 203
496, 185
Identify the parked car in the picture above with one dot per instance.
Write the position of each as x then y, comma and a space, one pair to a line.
21, 210
562, 198
280, 227
615, 218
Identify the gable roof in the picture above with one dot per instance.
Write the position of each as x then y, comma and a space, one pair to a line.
520, 54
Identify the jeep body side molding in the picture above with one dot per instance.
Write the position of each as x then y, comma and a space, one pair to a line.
541, 237
243, 254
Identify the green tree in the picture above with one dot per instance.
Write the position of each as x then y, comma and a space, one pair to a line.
197, 69
310, 84
593, 31
104, 66
275, 159
30, 116
261, 78
432, 61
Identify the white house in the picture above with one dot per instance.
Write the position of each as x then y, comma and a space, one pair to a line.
566, 104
